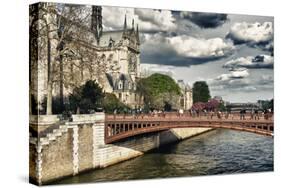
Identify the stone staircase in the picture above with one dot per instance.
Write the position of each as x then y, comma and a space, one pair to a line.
51, 134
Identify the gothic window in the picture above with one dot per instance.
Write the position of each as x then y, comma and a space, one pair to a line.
182, 102
129, 85
111, 42
120, 85
132, 62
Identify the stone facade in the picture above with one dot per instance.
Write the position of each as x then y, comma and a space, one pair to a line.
85, 145
186, 98
57, 157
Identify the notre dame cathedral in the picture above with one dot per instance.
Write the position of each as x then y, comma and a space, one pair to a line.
112, 58
66, 51
124, 48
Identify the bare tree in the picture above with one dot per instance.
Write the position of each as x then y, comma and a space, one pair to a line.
57, 26
33, 52
65, 45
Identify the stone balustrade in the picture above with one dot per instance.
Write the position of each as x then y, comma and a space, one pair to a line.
43, 119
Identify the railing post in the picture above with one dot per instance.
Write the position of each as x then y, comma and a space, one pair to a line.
114, 129
107, 130
268, 127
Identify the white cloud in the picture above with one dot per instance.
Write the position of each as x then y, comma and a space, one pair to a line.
148, 69
200, 47
235, 74
155, 45
240, 80
113, 17
182, 50
260, 61
161, 20
147, 19
252, 32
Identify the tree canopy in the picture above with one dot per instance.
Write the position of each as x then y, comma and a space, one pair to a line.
266, 104
111, 103
159, 91
201, 92
86, 97
211, 105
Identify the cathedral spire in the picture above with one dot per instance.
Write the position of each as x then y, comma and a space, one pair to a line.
133, 27
137, 34
124, 35
96, 22
125, 23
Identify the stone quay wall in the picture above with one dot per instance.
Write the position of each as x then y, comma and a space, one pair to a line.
69, 148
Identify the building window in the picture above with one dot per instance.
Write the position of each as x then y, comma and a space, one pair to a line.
120, 85
182, 102
120, 96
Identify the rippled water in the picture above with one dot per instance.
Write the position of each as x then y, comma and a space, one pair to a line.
216, 152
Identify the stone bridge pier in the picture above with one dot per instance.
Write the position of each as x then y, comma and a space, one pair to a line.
62, 148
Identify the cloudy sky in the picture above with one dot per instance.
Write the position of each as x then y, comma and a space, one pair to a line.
232, 53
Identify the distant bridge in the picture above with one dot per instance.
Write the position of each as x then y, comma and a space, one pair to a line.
120, 126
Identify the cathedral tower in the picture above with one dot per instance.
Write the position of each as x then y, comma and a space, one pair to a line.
96, 22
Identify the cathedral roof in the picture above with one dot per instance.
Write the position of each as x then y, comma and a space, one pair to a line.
183, 86
113, 80
106, 36
188, 87
110, 79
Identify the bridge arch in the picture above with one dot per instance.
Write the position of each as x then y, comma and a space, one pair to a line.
118, 129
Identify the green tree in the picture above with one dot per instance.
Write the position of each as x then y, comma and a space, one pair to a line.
222, 107
111, 103
159, 91
201, 92
266, 104
86, 97
271, 104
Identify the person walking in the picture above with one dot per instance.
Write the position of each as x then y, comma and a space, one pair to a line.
212, 114
219, 114
252, 114
256, 116
244, 113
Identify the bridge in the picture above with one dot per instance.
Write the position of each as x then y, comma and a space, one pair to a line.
118, 127
85, 140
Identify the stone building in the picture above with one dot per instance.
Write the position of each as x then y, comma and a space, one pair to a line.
186, 99
112, 58
124, 47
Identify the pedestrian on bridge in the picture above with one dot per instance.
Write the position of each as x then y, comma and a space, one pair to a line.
252, 114
242, 114
180, 112
266, 114
219, 114
226, 114
212, 114
256, 115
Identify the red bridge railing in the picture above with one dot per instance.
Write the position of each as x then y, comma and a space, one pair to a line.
118, 127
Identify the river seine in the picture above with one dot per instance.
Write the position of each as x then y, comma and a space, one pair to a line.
216, 152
